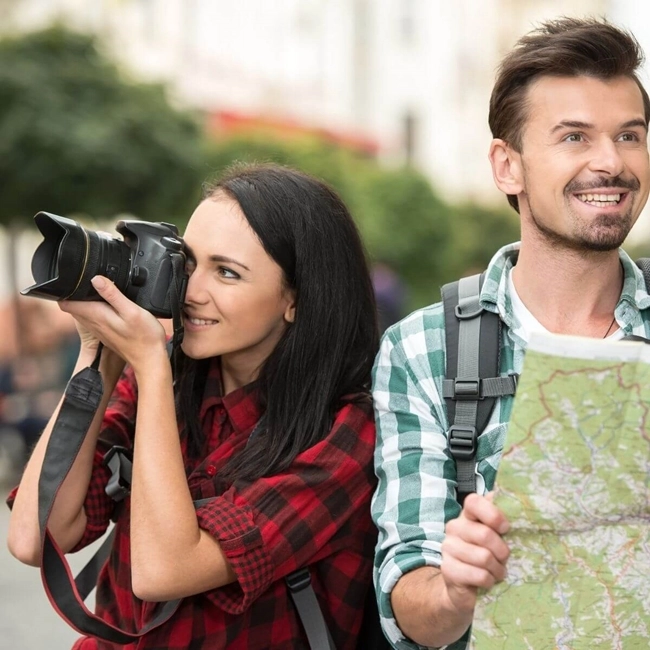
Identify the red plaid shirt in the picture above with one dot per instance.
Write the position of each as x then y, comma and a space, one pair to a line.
316, 514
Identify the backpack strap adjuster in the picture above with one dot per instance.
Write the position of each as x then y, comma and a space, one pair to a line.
298, 580
463, 441
467, 389
476, 310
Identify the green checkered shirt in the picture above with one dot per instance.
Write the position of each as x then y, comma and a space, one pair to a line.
416, 494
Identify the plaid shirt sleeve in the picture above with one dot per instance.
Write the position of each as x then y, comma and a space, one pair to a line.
277, 524
417, 477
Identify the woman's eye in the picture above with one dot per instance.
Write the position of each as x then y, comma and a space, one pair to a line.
190, 265
225, 272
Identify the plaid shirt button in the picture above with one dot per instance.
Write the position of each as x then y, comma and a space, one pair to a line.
210, 470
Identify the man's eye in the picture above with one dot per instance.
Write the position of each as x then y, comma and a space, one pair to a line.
574, 137
629, 137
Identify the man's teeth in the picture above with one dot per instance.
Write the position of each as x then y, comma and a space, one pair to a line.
200, 321
599, 200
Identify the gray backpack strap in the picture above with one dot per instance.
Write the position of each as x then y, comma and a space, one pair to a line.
472, 384
309, 610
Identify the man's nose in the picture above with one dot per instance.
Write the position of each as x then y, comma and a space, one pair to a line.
606, 158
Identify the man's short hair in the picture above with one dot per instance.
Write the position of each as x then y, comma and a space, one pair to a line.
566, 47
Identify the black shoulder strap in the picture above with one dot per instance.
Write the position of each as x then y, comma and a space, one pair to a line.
472, 384
644, 264
82, 397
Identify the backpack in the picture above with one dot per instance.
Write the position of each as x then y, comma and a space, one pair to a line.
472, 383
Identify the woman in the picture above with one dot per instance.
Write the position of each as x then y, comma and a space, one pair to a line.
280, 336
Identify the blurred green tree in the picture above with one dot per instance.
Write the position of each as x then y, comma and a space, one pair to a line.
403, 221
78, 138
479, 231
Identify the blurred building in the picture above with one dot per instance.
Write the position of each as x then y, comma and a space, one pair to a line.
404, 80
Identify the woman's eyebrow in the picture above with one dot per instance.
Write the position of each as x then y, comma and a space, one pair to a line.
227, 260
214, 258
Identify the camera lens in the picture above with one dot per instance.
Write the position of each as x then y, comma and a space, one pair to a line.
70, 256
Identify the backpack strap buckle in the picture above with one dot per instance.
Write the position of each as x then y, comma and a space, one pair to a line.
298, 580
463, 441
467, 389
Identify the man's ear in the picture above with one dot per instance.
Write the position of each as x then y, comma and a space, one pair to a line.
507, 169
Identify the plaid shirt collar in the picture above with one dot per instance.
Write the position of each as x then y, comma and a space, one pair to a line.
495, 296
241, 405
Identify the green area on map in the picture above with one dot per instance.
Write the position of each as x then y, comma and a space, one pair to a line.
574, 483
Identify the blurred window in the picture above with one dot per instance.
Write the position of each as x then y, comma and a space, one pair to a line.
407, 21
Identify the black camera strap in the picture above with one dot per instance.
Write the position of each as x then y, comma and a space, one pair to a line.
82, 397
177, 295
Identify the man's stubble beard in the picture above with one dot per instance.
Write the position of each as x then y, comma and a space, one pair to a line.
604, 233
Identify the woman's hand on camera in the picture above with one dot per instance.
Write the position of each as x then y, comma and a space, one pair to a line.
89, 342
121, 325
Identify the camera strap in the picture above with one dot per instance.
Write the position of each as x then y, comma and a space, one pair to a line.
177, 295
82, 398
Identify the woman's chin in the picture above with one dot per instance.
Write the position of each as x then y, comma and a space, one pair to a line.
194, 351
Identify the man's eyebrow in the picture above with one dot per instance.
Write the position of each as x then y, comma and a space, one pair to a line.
571, 124
636, 122
577, 124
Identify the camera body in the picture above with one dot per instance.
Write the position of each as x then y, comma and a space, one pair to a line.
148, 265
156, 249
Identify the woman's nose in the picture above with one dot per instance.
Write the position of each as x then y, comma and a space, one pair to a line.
195, 292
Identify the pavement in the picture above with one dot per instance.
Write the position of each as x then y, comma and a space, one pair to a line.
27, 619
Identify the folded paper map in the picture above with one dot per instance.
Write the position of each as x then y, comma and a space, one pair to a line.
574, 483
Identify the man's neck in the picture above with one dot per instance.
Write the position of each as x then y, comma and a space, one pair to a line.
569, 292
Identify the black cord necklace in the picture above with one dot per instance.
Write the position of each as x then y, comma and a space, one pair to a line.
610, 326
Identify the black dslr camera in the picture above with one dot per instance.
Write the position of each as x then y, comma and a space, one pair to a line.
148, 266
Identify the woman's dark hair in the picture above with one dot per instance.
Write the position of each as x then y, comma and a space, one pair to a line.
566, 47
328, 351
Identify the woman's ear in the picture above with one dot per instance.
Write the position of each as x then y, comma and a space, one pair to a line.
290, 311
507, 169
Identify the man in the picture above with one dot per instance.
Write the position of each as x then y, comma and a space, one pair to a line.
569, 119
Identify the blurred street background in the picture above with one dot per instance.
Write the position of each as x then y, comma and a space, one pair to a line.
27, 620
113, 109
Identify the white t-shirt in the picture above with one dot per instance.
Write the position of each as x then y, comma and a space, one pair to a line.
530, 324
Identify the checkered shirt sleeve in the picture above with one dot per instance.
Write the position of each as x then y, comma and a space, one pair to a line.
416, 492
